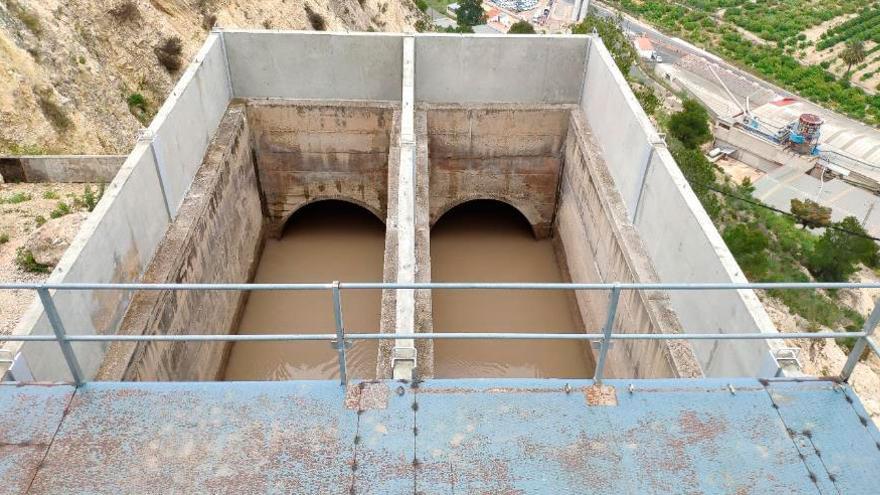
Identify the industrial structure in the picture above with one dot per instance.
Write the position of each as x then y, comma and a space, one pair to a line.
693, 388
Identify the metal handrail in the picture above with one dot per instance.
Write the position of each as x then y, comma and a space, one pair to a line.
342, 337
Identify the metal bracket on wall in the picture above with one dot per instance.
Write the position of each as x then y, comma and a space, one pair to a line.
644, 175
149, 137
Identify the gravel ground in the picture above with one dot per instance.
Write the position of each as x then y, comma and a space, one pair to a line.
17, 222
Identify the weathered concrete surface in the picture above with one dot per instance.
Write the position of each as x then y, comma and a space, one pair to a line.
512, 69
597, 243
119, 238
308, 151
509, 153
60, 168
186, 122
114, 244
314, 65
678, 235
422, 298
216, 237
445, 436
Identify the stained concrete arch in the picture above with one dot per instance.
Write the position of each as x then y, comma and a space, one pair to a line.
278, 229
528, 212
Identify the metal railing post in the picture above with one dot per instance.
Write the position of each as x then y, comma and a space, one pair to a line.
859, 347
340, 333
606, 331
61, 335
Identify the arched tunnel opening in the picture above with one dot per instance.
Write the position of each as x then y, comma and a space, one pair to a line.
322, 241
491, 241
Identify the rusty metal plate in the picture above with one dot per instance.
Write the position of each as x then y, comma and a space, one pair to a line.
441, 436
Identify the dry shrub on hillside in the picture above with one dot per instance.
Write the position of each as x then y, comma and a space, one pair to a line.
168, 52
126, 11
316, 20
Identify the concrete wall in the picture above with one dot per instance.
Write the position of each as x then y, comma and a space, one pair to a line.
760, 153
309, 65
199, 247
118, 239
678, 234
452, 68
597, 243
308, 152
510, 153
114, 244
184, 125
60, 168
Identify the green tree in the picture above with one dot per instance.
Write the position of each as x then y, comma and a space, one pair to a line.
859, 244
611, 32
853, 54
810, 213
749, 246
521, 27
837, 252
691, 125
648, 99
470, 12
458, 29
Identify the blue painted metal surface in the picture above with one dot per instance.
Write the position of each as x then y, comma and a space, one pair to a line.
440, 436
29, 418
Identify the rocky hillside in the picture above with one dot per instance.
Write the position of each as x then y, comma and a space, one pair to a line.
81, 76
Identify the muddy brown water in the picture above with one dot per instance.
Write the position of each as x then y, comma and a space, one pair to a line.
484, 241
324, 241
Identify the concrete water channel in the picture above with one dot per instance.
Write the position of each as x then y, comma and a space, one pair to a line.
223, 185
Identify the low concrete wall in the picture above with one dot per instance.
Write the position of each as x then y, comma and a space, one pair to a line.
60, 168
199, 247
510, 153
678, 234
309, 65
597, 243
309, 151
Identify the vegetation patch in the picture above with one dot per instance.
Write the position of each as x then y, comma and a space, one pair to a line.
24, 259
30, 20
137, 105
61, 209
53, 111
4, 238
315, 19
864, 27
168, 52
126, 11
521, 27
16, 198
